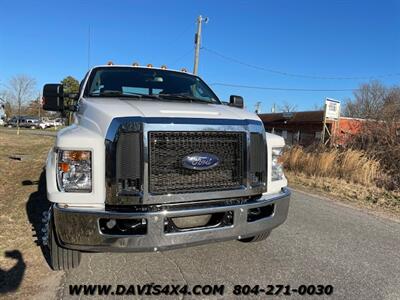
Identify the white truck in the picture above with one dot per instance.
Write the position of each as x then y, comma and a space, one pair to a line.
155, 161
2, 112
47, 123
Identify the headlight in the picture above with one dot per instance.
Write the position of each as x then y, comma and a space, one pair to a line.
74, 171
277, 167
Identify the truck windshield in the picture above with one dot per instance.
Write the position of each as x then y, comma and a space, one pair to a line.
135, 82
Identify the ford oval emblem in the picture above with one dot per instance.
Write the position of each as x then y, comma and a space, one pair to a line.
200, 161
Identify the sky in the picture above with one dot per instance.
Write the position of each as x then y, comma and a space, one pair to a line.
290, 45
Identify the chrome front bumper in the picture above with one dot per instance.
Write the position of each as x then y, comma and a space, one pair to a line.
79, 229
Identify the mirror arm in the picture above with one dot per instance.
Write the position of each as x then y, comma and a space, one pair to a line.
72, 108
74, 96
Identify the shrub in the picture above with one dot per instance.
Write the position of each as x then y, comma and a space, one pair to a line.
381, 140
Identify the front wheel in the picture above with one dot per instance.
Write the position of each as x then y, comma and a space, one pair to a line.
257, 238
61, 258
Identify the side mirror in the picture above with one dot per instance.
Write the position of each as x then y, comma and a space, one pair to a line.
53, 97
236, 101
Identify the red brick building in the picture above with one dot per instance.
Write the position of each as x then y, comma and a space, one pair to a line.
305, 128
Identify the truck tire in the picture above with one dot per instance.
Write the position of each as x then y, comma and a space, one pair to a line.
61, 258
257, 238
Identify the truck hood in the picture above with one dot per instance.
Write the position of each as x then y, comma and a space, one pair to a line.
97, 113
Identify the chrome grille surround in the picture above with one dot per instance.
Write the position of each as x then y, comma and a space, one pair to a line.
155, 124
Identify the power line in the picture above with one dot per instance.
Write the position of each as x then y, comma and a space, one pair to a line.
280, 88
261, 68
182, 56
179, 36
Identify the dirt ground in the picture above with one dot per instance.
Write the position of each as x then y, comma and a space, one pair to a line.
24, 272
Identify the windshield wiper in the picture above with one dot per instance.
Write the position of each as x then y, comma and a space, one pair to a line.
183, 96
112, 93
177, 96
115, 93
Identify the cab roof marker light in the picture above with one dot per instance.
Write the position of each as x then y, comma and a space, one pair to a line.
184, 70
149, 65
135, 64
110, 63
164, 67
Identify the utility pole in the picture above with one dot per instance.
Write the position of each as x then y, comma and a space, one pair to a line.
197, 40
19, 113
273, 108
39, 104
323, 126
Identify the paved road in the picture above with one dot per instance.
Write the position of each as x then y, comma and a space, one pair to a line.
321, 243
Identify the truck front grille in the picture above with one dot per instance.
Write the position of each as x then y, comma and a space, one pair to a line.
167, 149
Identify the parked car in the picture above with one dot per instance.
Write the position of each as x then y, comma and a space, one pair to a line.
155, 161
59, 122
46, 123
13, 122
30, 122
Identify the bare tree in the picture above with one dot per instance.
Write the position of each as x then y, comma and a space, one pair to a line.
20, 90
368, 101
391, 105
287, 107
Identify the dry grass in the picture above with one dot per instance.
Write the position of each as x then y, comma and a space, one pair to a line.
351, 165
371, 197
19, 206
348, 174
